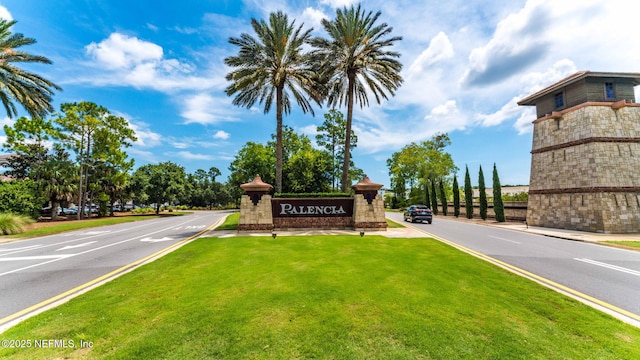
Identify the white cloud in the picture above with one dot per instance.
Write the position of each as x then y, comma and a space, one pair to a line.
146, 137
339, 3
313, 18
440, 49
185, 30
221, 135
531, 83
122, 60
7, 121
5, 14
206, 109
447, 117
152, 27
187, 155
524, 124
121, 51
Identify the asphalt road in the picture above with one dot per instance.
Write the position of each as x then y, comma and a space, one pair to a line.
34, 273
606, 277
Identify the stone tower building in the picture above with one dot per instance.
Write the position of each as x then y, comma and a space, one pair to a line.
585, 159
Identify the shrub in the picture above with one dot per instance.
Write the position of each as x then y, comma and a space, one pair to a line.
521, 196
316, 195
21, 197
13, 223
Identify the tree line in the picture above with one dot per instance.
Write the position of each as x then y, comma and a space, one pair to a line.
424, 172
78, 156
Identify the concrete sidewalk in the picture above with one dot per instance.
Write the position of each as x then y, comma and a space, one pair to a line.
561, 233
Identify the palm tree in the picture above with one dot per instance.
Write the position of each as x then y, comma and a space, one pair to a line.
32, 91
270, 65
356, 59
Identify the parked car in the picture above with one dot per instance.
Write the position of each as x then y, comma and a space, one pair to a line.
46, 211
73, 210
420, 213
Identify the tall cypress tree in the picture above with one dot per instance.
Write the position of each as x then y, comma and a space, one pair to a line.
468, 195
456, 197
498, 205
434, 198
427, 198
443, 198
483, 195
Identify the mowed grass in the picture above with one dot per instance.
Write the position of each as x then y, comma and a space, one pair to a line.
629, 244
335, 297
230, 222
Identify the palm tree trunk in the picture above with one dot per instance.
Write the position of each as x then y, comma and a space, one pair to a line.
279, 139
347, 137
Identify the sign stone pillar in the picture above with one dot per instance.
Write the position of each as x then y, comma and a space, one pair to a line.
368, 206
255, 206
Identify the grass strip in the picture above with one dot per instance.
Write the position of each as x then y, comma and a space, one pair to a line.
341, 297
230, 223
630, 244
393, 224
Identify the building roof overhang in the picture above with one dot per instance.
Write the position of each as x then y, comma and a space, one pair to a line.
533, 98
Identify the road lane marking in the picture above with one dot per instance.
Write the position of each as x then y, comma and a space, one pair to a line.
42, 306
88, 251
503, 239
609, 266
36, 257
604, 306
30, 247
148, 239
76, 246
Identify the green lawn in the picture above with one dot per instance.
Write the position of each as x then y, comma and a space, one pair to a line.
230, 223
339, 297
631, 244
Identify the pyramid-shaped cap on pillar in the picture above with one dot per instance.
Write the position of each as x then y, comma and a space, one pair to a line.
366, 185
256, 185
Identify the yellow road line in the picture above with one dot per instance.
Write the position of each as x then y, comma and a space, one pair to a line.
540, 279
97, 280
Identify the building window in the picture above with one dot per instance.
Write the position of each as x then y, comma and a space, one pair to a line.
609, 93
559, 100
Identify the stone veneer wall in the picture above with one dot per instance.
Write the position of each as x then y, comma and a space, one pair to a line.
513, 210
585, 169
368, 216
255, 217
260, 217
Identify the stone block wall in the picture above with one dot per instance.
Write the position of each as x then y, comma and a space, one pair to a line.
513, 210
585, 169
368, 216
255, 217
595, 212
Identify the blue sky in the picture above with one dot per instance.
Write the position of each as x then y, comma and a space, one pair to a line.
159, 64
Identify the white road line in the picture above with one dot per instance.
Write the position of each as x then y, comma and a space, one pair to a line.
76, 246
609, 266
92, 250
37, 257
503, 239
22, 248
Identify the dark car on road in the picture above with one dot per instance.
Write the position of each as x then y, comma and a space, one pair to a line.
420, 213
